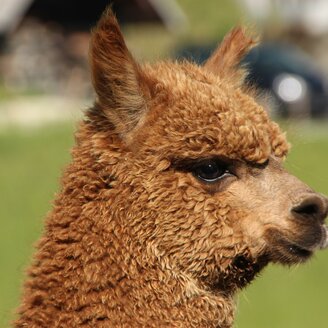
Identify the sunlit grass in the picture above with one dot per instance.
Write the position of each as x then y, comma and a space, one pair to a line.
30, 166
207, 23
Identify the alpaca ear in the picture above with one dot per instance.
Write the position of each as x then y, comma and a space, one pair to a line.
225, 59
117, 78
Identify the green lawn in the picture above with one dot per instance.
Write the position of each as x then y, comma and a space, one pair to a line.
31, 163
206, 23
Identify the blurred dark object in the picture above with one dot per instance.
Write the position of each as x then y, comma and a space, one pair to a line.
309, 16
44, 43
80, 16
296, 86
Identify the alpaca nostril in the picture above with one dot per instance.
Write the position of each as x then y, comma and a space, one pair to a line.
313, 206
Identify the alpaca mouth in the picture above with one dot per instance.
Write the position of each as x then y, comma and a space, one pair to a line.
304, 249
299, 251
287, 250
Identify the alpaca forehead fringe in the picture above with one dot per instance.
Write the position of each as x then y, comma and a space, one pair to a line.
206, 114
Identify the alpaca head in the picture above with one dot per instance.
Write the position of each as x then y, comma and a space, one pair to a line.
197, 182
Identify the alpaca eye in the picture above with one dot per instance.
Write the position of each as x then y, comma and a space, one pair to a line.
211, 171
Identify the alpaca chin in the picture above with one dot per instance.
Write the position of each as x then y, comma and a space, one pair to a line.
242, 270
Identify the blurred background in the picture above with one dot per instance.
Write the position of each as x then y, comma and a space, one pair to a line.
45, 86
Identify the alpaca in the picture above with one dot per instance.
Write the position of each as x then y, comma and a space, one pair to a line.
175, 198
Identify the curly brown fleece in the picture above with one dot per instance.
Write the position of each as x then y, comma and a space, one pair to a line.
136, 238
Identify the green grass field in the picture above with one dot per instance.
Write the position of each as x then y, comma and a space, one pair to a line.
31, 164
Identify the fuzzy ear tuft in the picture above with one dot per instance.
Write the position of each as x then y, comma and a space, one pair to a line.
225, 59
117, 78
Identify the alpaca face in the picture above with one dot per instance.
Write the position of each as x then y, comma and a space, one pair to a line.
199, 177
221, 204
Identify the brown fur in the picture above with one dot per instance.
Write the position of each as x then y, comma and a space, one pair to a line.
136, 238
